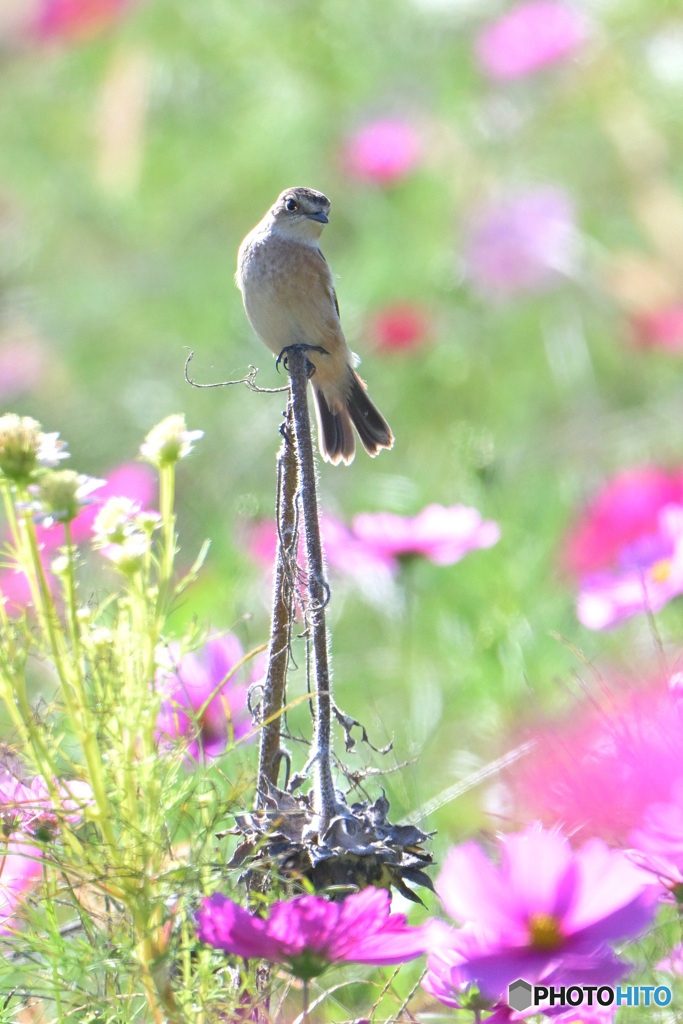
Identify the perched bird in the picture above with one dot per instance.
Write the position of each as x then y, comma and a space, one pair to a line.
289, 299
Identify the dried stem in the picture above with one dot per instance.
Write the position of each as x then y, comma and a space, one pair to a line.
318, 590
274, 695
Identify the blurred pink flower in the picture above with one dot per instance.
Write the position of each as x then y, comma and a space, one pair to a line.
442, 535
31, 809
400, 327
20, 867
344, 551
199, 704
308, 933
71, 19
383, 151
624, 514
533, 35
649, 576
673, 963
662, 329
521, 243
548, 910
597, 775
658, 842
23, 363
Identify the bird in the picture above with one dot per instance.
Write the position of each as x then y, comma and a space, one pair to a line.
289, 298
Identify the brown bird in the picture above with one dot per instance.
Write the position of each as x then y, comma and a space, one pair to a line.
289, 299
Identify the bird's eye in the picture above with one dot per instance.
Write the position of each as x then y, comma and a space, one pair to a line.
290, 205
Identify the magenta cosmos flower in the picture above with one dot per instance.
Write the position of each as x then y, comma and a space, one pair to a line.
547, 909
521, 243
383, 151
623, 515
533, 35
442, 535
650, 574
309, 933
204, 702
599, 774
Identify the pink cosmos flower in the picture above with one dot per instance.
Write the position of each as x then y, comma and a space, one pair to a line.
533, 35
442, 535
650, 575
623, 515
521, 243
400, 327
548, 910
200, 703
20, 867
599, 774
309, 933
31, 809
660, 329
72, 19
345, 552
658, 842
383, 151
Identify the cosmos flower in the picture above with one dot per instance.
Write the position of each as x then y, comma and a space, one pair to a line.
383, 151
598, 774
200, 704
20, 868
622, 515
533, 35
521, 243
309, 933
649, 575
547, 911
442, 535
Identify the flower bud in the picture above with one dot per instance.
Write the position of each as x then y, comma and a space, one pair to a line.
24, 448
169, 441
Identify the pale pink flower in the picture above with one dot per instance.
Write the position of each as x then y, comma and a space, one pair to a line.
673, 963
623, 515
383, 151
345, 552
23, 364
201, 704
650, 575
599, 774
32, 809
442, 535
309, 933
547, 911
521, 243
532, 36
20, 868
400, 327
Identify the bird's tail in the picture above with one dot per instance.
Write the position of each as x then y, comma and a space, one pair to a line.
335, 436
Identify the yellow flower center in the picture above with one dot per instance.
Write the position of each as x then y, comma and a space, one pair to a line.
544, 932
660, 571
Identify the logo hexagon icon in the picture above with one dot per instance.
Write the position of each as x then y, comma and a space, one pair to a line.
519, 995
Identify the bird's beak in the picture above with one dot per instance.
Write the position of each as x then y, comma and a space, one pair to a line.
322, 217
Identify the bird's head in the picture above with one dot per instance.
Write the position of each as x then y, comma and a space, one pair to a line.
300, 214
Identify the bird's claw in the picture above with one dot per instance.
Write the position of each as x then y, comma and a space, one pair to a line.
310, 368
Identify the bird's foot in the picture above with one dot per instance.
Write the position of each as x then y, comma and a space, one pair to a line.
310, 368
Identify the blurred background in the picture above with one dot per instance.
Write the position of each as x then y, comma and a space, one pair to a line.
507, 239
